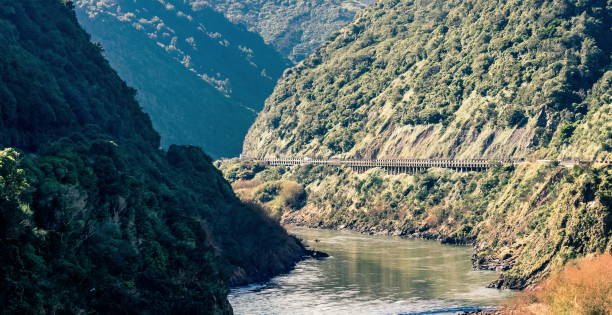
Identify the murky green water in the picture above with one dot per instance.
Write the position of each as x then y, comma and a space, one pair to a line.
372, 275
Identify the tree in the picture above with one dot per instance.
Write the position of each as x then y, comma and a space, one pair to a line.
12, 186
516, 118
566, 132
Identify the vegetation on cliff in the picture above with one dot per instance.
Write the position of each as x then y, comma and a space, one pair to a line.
450, 79
525, 221
93, 216
275, 196
582, 287
456, 79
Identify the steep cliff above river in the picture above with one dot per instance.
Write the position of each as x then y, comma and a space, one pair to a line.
450, 79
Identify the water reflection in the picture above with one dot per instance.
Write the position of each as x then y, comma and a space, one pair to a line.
372, 275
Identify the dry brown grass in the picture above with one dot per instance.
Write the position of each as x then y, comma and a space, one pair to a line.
436, 216
289, 195
245, 188
293, 195
582, 287
245, 184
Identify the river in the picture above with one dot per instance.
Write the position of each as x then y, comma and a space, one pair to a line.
368, 274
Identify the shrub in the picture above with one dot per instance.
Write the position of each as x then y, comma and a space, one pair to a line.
242, 171
267, 192
293, 195
516, 118
245, 184
566, 132
436, 216
13, 185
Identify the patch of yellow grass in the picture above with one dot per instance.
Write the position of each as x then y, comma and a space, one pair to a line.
244, 184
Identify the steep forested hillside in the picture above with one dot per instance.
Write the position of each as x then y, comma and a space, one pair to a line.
462, 79
200, 77
94, 218
450, 78
294, 28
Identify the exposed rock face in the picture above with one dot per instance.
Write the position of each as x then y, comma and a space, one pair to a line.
449, 79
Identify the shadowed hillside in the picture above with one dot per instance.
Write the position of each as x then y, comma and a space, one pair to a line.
93, 216
295, 28
200, 77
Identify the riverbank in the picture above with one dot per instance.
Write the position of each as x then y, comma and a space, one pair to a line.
525, 221
372, 274
493, 264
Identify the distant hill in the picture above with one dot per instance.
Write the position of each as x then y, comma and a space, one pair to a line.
296, 27
94, 217
200, 77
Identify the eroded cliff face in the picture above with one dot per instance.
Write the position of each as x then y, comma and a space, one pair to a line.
461, 79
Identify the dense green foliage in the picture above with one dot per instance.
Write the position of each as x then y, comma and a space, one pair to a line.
448, 78
93, 216
295, 28
200, 77
233, 171
98, 240
37, 47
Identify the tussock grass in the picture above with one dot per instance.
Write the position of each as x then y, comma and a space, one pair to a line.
582, 287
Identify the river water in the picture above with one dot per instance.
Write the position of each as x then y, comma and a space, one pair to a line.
368, 274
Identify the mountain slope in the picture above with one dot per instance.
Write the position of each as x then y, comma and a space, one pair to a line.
93, 216
200, 77
294, 28
452, 78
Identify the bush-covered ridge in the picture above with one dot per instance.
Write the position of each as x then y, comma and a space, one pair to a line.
463, 79
449, 78
93, 216
51, 87
295, 28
